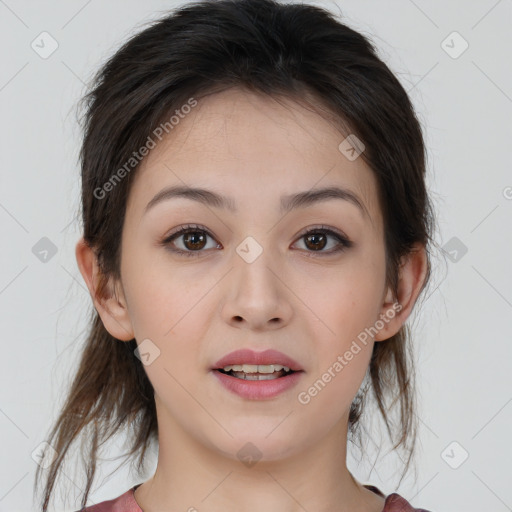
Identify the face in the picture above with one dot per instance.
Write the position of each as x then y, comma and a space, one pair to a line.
305, 280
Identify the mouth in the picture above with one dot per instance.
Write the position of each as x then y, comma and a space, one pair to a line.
250, 362
256, 372
257, 375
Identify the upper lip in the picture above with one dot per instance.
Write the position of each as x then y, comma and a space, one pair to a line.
248, 356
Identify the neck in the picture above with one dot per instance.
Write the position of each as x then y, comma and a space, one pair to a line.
316, 478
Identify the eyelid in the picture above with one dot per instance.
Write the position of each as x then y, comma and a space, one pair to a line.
186, 227
324, 228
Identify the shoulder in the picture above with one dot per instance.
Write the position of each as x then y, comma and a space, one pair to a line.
123, 503
396, 503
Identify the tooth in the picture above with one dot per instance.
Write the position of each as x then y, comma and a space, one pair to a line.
250, 368
260, 377
250, 376
253, 368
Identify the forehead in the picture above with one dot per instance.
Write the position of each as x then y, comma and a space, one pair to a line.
254, 149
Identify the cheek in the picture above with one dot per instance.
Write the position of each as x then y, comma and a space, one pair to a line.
166, 308
347, 306
343, 349
329, 394
163, 297
347, 300
171, 307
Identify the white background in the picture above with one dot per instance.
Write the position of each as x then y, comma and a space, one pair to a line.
463, 332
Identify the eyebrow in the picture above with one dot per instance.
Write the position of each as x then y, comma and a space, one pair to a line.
288, 203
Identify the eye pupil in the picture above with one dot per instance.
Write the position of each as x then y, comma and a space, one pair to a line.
192, 238
314, 239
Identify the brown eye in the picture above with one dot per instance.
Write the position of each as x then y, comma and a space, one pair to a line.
315, 240
194, 240
189, 240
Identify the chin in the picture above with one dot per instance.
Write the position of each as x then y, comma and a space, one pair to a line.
258, 447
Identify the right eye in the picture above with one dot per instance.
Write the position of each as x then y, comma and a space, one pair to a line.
193, 239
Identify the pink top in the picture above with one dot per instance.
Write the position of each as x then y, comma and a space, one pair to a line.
126, 503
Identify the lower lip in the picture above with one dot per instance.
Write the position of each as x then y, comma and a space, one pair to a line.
258, 389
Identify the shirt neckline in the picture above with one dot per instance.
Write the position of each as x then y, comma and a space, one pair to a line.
372, 488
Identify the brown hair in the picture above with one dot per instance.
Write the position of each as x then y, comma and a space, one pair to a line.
266, 47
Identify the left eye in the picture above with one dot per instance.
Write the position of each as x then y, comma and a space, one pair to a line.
317, 240
193, 239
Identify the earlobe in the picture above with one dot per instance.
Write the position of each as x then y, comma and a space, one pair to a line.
108, 301
396, 310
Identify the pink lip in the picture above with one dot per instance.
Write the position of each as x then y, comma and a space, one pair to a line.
247, 356
258, 389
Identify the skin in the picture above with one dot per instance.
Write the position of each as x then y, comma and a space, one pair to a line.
305, 303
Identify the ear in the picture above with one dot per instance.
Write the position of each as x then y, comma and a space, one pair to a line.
396, 310
110, 303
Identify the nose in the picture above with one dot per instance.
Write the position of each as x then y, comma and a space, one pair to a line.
257, 296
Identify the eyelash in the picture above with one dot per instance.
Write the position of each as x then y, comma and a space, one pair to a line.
344, 243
